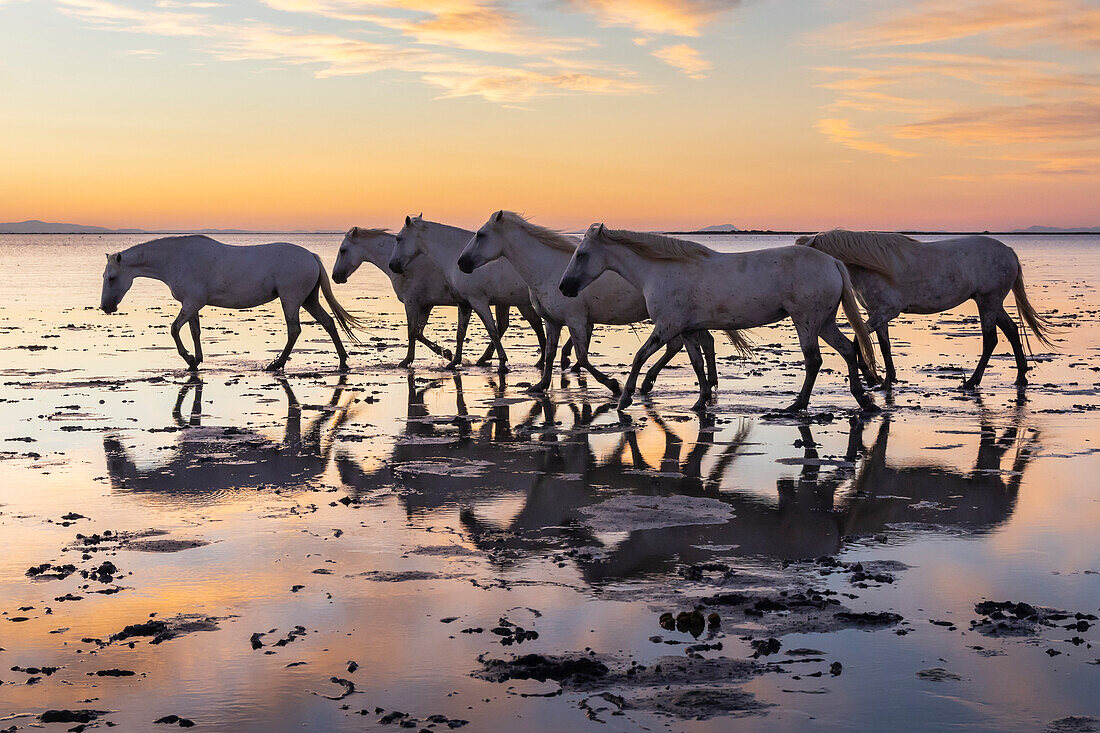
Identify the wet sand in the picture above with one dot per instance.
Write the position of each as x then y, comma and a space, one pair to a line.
428, 550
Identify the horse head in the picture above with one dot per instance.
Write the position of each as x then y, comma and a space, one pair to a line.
409, 243
587, 264
117, 279
485, 246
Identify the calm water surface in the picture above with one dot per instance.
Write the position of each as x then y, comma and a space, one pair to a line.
382, 517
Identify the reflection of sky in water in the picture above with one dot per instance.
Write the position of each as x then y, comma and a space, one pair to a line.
983, 497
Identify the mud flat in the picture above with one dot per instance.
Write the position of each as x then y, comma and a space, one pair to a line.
392, 549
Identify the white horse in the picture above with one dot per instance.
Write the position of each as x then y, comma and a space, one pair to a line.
894, 274
201, 271
540, 255
498, 284
689, 288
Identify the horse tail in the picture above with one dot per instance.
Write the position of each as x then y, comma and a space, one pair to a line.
741, 343
851, 312
1039, 324
346, 320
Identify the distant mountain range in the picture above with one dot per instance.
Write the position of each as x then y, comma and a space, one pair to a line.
35, 226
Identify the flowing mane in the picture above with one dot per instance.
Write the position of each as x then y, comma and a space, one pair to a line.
875, 251
366, 233
655, 246
550, 237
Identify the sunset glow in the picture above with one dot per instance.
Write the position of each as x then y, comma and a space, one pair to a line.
671, 114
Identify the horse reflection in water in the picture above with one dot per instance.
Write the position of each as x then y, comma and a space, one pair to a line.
216, 460
440, 461
552, 465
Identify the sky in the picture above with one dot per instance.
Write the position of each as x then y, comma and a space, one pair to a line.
647, 114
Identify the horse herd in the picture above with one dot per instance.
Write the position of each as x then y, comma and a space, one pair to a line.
609, 276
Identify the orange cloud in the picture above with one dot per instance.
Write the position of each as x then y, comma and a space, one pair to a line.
675, 17
840, 131
1070, 23
337, 55
686, 59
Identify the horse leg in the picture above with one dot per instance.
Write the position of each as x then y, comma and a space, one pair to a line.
293, 331
423, 313
671, 350
811, 352
411, 322
695, 354
833, 337
503, 318
532, 317
553, 333
883, 334
485, 313
581, 338
460, 335
186, 314
194, 323
706, 342
315, 309
987, 313
1012, 333
648, 349
565, 354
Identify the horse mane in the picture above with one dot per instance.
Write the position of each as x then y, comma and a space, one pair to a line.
656, 246
366, 232
552, 238
875, 251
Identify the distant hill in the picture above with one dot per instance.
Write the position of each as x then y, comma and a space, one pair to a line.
1059, 230
36, 226
720, 228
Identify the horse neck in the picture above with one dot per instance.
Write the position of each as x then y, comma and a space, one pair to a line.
151, 259
443, 243
378, 251
533, 260
633, 268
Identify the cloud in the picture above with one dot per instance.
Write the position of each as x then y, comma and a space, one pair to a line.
673, 17
686, 59
840, 131
337, 55
1068, 23
478, 25
1046, 122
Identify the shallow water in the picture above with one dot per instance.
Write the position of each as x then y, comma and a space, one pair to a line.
388, 512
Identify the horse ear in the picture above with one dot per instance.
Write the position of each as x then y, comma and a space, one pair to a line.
118, 258
499, 217
408, 221
599, 229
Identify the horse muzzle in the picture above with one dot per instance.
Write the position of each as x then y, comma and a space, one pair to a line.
396, 267
466, 264
108, 309
340, 278
569, 287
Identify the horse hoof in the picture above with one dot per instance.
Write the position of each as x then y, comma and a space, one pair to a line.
447, 354
453, 365
869, 407
576, 368
615, 387
536, 389
564, 364
483, 362
699, 406
1021, 382
193, 367
646, 388
795, 407
503, 369
343, 368
404, 363
624, 402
